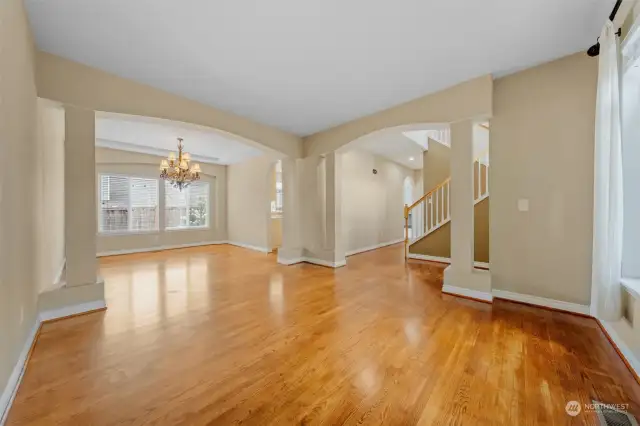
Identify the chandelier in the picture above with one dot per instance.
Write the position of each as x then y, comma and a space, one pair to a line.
179, 172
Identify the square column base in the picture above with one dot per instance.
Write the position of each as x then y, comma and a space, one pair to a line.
71, 300
472, 284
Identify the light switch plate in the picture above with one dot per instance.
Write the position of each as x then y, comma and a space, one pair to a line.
523, 205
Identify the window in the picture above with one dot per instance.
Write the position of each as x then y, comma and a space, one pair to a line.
188, 208
128, 204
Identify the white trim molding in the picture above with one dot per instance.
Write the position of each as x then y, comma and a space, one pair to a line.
249, 246
158, 248
625, 350
325, 262
311, 260
377, 246
542, 301
446, 260
72, 310
467, 292
288, 262
429, 258
10, 390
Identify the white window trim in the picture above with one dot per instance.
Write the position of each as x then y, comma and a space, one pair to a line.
129, 232
187, 228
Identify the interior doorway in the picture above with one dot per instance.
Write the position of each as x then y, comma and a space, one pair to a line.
276, 196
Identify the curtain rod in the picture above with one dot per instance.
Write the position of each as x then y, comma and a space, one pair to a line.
595, 49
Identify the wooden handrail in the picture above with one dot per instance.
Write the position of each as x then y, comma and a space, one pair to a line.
427, 194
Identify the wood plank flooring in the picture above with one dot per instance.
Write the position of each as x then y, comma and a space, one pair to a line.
222, 335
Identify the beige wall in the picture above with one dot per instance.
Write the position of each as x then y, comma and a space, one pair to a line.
481, 231
144, 165
372, 204
542, 142
438, 243
249, 202
18, 123
276, 232
465, 100
76, 84
435, 165
49, 169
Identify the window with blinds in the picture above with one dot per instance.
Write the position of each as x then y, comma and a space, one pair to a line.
188, 208
127, 204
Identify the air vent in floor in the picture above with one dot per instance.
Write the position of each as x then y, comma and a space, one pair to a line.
612, 417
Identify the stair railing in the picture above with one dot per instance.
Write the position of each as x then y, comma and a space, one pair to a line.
431, 211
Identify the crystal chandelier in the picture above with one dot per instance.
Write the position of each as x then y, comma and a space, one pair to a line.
179, 172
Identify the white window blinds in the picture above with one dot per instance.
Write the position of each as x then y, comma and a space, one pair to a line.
188, 208
128, 204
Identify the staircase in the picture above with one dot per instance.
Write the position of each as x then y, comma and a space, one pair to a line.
432, 211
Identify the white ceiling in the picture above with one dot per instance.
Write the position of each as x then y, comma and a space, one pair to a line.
392, 145
306, 66
159, 137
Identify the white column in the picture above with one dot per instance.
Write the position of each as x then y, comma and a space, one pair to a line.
460, 277
83, 291
80, 196
334, 241
291, 250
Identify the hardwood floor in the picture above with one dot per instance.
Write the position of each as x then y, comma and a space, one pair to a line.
223, 335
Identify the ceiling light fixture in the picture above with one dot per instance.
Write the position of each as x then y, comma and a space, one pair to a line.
179, 172
411, 158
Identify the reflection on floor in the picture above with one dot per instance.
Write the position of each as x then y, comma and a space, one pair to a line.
221, 334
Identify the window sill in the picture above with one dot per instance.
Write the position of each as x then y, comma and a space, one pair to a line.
188, 228
633, 285
125, 233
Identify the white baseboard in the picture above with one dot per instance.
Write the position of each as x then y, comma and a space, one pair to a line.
325, 262
10, 390
467, 292
250, 247
624, 349
429, 258
446, 260
287, 262
312, 260
158, 248
377, 246
9, 393
72, 310
542, 301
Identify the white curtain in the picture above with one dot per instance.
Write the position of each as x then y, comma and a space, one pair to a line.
608, 209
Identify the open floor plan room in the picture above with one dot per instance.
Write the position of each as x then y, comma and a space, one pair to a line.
223, 335
333, 212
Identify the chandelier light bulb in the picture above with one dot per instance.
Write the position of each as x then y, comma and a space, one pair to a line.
186, 156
